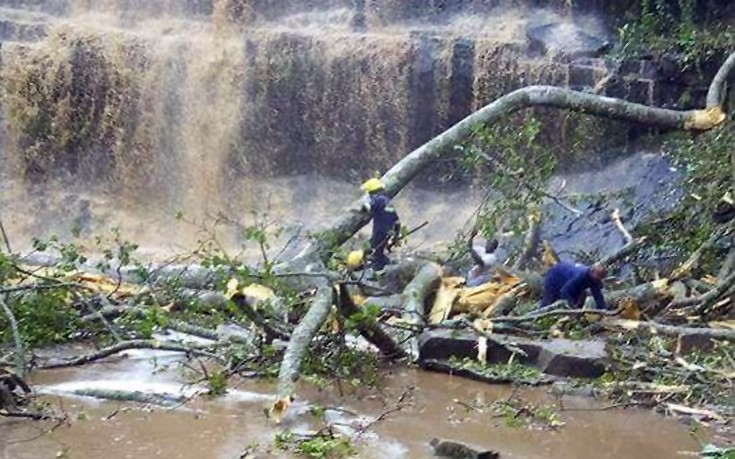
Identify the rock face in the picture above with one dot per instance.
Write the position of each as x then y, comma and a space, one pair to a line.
557, 357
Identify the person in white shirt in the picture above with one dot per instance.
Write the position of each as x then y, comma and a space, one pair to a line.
485, 260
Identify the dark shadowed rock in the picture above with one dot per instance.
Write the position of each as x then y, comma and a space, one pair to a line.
579, 359
460, 344
558, 357
456, 450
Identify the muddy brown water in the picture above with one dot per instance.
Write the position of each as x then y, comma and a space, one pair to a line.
224, 427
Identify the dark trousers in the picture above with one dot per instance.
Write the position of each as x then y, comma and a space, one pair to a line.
378, 258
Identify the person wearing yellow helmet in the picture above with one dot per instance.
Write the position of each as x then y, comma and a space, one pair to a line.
386, 224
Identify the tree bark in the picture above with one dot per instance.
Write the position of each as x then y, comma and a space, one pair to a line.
20, 358
718, 87
416, 292
300, 338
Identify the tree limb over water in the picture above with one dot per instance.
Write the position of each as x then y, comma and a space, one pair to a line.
440, 146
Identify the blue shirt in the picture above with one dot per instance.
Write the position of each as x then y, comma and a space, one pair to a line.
385, 218
567, 281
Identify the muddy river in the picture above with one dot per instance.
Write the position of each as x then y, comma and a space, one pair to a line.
224, 427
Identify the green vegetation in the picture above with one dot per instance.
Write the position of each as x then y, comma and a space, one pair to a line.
705, 160
669, 27
322, 445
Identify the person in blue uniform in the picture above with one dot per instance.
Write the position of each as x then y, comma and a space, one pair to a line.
386, 224
570, 282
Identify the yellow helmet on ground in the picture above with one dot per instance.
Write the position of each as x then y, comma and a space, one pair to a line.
373, 184
355, 258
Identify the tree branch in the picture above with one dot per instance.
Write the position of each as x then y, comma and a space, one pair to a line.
125, 346
619, 225
300, 338
20, 359
533, 96
372, 332
718, 87
531, 241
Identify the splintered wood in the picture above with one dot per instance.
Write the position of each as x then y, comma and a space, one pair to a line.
482, 301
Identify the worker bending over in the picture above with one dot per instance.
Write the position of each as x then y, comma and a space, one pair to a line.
570, 282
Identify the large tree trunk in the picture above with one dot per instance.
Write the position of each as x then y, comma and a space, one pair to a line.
353, 218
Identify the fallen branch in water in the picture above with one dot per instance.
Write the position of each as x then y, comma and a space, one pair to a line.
20, 358
166, 400
172, 324
476, 374
302, 335
34, 415
400, 404
126, 346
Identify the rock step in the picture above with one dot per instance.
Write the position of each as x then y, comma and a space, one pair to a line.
557, 357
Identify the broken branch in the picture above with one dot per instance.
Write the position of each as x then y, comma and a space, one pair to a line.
126, 346
371, 332
20, 360
300, 338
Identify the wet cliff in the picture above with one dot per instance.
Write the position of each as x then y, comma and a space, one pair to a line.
171, 104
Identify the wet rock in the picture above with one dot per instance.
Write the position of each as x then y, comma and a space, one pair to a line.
460, 344
572, 41
558, 357
456, 450
579, 359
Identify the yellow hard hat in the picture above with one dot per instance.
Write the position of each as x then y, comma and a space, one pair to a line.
355, 258
372, 185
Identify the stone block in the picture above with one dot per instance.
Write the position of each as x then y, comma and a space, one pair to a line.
567, 358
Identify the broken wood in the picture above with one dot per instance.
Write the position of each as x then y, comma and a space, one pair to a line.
417, 291
302, 335
370, 331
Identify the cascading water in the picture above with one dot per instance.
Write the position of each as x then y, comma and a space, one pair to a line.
123, 113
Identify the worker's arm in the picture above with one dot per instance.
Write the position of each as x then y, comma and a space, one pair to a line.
571, 289
596, 290
473, 253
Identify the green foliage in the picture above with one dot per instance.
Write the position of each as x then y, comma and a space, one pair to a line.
512, 370
216, 383
323, 445
515, 168
44, 318
705, 160
702, 375
367, 315
332, 360
663, 28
